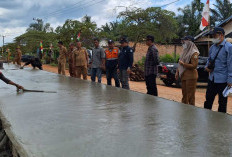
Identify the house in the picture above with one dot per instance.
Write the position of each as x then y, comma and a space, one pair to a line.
203, 41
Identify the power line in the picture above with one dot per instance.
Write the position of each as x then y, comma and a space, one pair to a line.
86, 5
65, 8
169, 3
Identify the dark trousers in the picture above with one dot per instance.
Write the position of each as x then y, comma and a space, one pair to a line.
111, 72
212, 90
96, 72
151, 85
124, 79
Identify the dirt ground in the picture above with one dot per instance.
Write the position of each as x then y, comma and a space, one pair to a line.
171, 93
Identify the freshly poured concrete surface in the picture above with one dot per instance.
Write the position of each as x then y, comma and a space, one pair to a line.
85, 119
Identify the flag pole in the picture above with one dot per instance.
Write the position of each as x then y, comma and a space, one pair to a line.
209, 31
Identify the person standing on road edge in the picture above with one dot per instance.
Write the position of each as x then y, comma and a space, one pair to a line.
187, 70
125, 61
62, 58
18, 56
97, 61
71, 66
81, 60
219, 66
112, 63
150, 66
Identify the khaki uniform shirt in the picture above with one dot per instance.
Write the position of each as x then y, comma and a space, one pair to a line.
191, 68
80, 57
62, 55
18, 55
70, 57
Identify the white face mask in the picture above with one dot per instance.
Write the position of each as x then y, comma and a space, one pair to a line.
216, 41
184, 46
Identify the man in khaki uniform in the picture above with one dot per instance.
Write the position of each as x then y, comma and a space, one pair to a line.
72, 49
62, 58
18, 56
80, 61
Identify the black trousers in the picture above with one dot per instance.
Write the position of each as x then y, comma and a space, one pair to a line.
151, 85
111, 72
214, 89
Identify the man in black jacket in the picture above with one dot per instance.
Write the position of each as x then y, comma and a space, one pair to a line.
125, 62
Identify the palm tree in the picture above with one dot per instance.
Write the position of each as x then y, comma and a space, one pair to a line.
223, 10
190, 19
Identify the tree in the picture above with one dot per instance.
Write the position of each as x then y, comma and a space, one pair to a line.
110, 30
138, 23
223, 10
39, 26
69, 31
30, 40
190, 19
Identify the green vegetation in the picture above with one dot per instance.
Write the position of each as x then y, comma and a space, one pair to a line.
169, 58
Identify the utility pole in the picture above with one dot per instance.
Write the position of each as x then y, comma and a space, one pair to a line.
3, 38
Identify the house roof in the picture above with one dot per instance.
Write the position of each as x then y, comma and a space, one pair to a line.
205, 32
223, 23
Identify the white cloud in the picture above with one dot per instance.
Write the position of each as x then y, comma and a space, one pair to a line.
16, 15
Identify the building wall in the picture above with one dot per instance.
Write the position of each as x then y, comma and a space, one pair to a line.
228, 28
141, 50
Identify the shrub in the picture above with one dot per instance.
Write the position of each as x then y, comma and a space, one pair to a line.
141, 62
169, 58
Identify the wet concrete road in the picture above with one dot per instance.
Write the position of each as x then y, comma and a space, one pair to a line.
85, 119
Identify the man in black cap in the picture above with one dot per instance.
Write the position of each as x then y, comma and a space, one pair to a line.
112, 63
150, 68
125, 63
219, 66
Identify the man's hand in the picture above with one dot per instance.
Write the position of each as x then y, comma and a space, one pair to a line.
208, 70
177, 76
230, 85
19, 87
103, 67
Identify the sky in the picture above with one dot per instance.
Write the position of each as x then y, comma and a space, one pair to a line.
16, 15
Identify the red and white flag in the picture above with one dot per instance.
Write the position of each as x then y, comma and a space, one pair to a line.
205, 16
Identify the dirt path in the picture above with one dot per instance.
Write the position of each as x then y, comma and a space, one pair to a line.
170, 93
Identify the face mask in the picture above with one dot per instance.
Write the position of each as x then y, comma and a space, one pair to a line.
184, 46
216, 41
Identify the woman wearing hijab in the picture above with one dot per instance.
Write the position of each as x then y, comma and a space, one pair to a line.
187, 70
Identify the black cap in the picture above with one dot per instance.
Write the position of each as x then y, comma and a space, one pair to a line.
124, 40
188, 37
217, 30
110, 41
60, 42
150, 37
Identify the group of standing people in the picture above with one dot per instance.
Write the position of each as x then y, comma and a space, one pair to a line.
117, 63
219, 67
